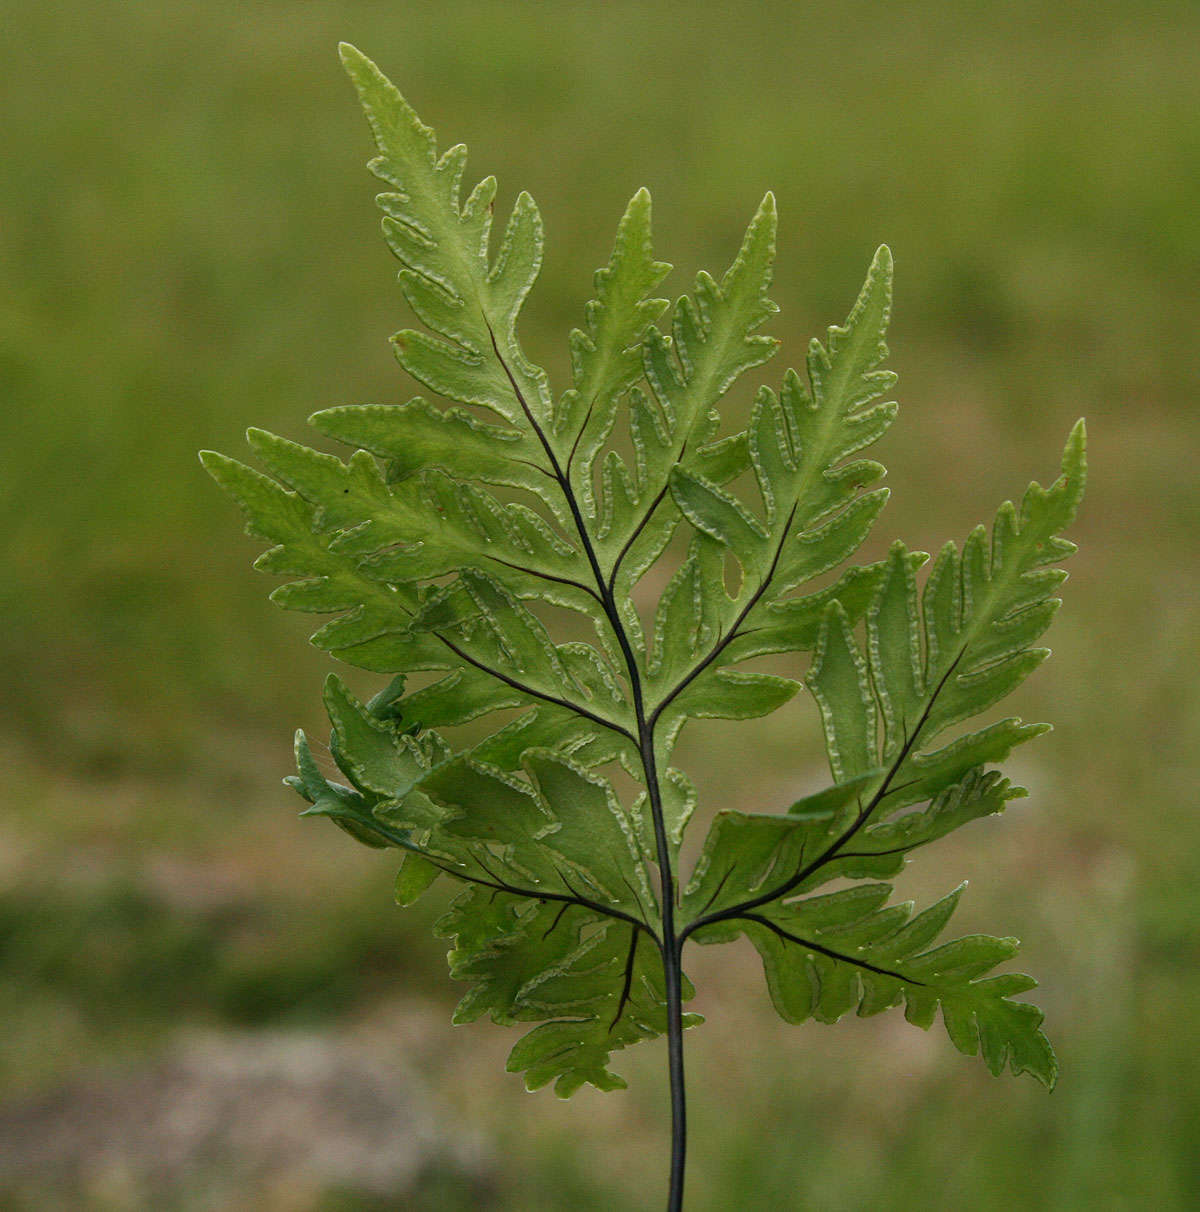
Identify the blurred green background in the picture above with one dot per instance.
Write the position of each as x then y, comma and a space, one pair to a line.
188, 245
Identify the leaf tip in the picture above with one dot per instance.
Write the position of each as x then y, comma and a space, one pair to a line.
1050, 1078
356, 64
1074, 462
223, 469
334, 689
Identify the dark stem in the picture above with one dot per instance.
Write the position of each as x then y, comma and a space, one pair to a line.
587, 416
826, 951
533, 693
623, 1001
558, 918
637, 530
537, 894
547, 576
833, 850
399, 839
734, 630
672, 968
670, 943
612, 725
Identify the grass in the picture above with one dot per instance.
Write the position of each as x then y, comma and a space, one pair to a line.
188, 247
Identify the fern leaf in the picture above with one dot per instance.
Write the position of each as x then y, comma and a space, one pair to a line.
814, 512
447, 541
844, 951
606, 357
967, 644
594, 986
713, 341
468, 298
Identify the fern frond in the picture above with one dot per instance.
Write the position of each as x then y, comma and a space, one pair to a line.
813, 514
469, 297
437, 546
847, 951
594, 993
968, 643
929, 664
606, 356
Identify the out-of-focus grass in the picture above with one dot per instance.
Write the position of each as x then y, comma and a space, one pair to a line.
188, 246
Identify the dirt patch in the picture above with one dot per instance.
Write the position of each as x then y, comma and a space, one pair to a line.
276, 1120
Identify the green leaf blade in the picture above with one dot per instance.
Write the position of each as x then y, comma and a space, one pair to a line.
826, 956
447, 544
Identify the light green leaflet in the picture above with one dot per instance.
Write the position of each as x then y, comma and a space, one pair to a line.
438, 543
